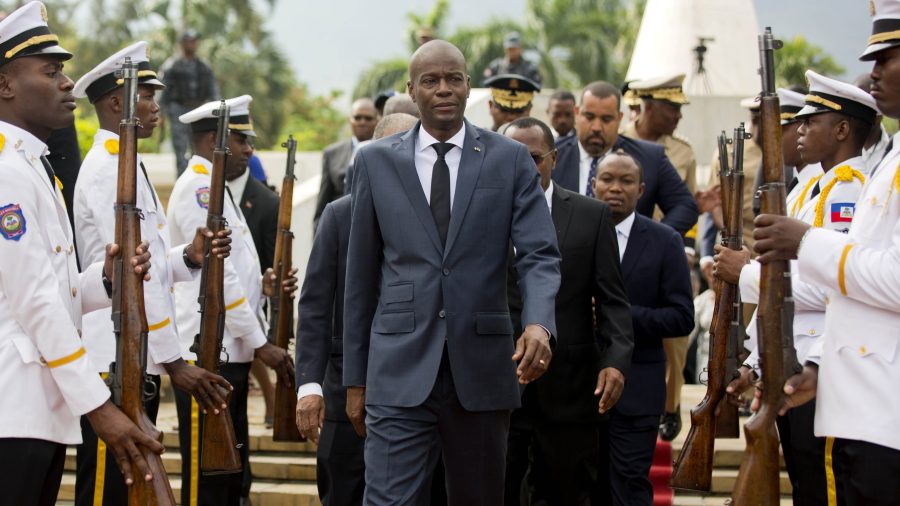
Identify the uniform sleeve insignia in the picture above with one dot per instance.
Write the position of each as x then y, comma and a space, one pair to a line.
12, 222
202, 195
842, 212
112, 146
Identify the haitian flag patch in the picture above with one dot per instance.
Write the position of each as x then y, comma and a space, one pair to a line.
202, 195
842, 212
12, 222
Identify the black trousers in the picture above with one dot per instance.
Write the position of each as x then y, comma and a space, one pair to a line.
30, 471
340, 467
631, 441
224, 489
549, 463
862, 473
804, 455
105, 480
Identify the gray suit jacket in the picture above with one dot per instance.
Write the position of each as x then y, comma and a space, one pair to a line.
335, 160
406, 295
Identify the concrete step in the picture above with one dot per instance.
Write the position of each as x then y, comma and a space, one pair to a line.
262, 493
716, 501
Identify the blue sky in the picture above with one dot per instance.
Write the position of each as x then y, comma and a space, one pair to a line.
330, 42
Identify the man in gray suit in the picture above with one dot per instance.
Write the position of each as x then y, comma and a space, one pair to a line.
429, 359
336, 157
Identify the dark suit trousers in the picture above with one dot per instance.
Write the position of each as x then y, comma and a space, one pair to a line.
30, 471
112, 486
804, 455
562, 457
404, 445
865, 474
223, 489
340, 467
632, 441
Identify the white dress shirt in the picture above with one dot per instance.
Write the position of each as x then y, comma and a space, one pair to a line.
426, 156
237, 187
623, 230
548, 194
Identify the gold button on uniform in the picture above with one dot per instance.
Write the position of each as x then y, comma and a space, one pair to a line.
58, 248
74, 292
812, 331
862, 350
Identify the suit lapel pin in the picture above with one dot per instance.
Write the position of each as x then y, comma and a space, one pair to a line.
248, 205
477, 149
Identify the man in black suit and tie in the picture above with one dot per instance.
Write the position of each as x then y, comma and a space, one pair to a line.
597, 121
336, 157
556, 430
658, 283
429, 360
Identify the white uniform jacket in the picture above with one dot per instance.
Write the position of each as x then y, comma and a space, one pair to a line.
244, 321
834, 213
46, 377
95, 220
859, 371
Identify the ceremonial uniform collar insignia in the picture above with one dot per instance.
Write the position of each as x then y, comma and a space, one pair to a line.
112, 146
12, 222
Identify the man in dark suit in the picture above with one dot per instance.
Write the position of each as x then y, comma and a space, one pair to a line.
658, 283
260, 207
322, 399
429, 360
597, 121
336, 157
557, 427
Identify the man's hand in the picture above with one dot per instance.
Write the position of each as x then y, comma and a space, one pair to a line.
221, 245
210, 390
311, 416
532, 353
356, 409
289, 285
800, 388
739, 385
708, 199
610, 383
278, 359
727, 263
777, 237
140, 261
124, 439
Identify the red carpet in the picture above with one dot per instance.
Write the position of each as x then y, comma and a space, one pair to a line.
660, 472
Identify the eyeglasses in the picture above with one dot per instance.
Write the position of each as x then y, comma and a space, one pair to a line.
540, 158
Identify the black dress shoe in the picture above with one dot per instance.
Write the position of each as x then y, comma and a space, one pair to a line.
670, 425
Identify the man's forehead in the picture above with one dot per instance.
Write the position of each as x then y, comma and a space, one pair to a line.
618, 162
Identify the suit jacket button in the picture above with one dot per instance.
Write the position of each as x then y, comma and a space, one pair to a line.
442, 314
446, 272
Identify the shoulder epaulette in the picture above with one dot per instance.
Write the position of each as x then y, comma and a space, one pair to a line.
112, 146
2, 142
200, 169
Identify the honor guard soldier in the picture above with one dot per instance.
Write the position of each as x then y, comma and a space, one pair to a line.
511, 96
662, 98
244, 335
95, 197
854, 383
47, 379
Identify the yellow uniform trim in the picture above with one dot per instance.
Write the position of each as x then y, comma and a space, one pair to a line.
2, 142
240, 126
100, 471
58, 183
235, 304
831, 487
788, 115
195, 451
161, 325
65, 360
823, 101
200, 169
843, 261
141, 73
884, 37
39, 39
112, 146
795, 209
845, 174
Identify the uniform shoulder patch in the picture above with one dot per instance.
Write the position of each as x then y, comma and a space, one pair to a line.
842, 212
2, 142
202, 195
12, 222
112, 146
200, 169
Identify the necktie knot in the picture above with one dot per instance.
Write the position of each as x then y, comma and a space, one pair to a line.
442, 148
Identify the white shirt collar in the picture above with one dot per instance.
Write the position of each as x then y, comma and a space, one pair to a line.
237, 186
584, 155
24, 141
424, 140
624, 226
548, 194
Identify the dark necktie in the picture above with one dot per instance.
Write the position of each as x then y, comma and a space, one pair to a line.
887, 150
49, 169
149, 186
792, 184
440, 190
815, 191
589, 191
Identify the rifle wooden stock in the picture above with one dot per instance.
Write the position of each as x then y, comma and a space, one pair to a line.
127, 375
284, 427
218, 449
758, 477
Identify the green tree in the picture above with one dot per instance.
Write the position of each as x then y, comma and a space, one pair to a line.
799, 55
